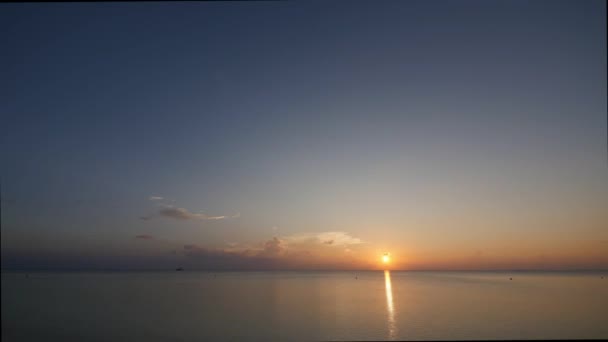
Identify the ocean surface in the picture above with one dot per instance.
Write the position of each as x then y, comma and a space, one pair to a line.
373, 305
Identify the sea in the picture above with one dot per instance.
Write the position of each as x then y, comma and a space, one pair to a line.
303, 306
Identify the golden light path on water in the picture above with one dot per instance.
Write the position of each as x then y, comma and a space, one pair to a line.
392, 330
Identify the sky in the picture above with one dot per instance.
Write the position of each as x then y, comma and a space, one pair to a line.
304, 135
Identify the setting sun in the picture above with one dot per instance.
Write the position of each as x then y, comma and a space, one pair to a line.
386, 258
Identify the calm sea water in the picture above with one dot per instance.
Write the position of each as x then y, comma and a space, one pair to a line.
195, 306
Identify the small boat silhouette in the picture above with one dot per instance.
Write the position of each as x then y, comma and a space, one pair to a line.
179, 269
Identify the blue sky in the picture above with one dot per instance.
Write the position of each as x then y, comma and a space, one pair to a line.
416, 126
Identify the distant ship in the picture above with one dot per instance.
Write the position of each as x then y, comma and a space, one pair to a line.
179, 269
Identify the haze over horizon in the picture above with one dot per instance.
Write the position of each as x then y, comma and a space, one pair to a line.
464, 135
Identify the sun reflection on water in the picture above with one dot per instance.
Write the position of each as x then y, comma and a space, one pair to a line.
389, 305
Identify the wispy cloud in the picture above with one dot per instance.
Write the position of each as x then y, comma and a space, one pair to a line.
326, 238
183, 214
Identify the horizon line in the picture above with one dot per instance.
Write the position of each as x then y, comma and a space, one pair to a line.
16, 270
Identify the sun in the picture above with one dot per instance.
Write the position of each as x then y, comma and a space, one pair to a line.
386, 258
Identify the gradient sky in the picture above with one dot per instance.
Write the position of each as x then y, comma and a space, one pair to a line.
287, 135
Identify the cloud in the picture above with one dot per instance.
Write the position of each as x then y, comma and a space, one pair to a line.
155, 198
269, 254
144, 237
338, 238
326, 238
184, 214
274, 246
303, 251
316, 250
196, 251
